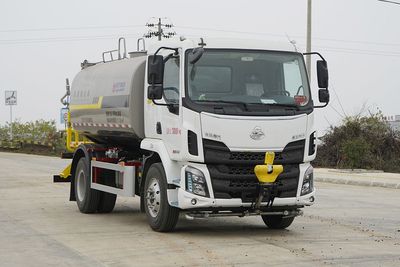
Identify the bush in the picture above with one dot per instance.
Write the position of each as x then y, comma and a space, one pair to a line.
39, 135
356, 152
361, 142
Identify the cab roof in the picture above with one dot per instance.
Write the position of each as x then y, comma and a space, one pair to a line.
227, 43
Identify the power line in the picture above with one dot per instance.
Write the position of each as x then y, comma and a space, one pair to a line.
55, 38
340, 102
361, 53
355, 42
199, 28
229, 31
328, 121
392, 2
329, 48
70, 28
97, 37
293, 36
103, 37
358, 50
340, 115
64, 39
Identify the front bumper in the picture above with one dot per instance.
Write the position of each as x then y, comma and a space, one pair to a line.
187, 200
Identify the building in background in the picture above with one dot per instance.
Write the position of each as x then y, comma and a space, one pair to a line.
394, 121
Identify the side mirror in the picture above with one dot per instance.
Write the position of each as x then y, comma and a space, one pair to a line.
323, 96
323, 79
196, 54
155, 91
322, 73
155, 76
155, 70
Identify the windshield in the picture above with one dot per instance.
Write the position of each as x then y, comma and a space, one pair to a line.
248, 77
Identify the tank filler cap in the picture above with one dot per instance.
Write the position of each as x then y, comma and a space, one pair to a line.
137, 54
85, 64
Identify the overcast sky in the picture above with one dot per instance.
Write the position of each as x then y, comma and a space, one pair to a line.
43, 42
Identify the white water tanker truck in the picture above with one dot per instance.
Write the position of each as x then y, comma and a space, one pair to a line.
202, 127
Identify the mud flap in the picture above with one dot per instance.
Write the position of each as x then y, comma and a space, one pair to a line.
59, 179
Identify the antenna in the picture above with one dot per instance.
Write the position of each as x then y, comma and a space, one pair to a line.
293, 42
160, 29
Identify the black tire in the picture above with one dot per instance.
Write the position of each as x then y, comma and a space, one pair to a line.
160, 215
86, 198
107, 202
276, 221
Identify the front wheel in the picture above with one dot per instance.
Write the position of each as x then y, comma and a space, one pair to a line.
276, 221
160, 215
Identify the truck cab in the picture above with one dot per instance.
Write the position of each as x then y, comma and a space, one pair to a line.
216, 109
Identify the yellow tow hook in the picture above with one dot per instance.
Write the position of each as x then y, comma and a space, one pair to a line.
266, 175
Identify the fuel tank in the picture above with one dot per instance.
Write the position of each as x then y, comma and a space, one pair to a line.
106, 101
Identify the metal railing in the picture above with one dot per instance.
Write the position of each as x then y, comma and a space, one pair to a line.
123, 55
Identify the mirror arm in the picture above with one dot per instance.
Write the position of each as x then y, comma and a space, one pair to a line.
165, 105
315, 53
159, 104
167, 48
326, 104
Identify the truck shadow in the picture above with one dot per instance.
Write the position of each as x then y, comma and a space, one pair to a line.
208, 227
231, 226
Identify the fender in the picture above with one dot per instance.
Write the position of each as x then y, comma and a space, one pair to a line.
172, 168
82, 151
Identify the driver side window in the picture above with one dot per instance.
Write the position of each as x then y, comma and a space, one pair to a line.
292, 78
171, 81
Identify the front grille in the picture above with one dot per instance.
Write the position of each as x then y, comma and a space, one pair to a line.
240, 170
232, 173
247, 156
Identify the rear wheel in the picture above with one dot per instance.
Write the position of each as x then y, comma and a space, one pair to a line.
86, 198
277, 222
107, 202
160, 215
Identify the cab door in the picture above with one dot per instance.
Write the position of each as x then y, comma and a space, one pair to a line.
171, 115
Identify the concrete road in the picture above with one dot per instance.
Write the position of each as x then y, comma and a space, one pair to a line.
348, 226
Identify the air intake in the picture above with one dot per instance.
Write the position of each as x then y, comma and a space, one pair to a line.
192, 143
311, 145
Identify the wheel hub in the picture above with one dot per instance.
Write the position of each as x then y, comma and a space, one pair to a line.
81, 184
153, 197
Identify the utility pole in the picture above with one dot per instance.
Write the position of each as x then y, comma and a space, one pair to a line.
157, 29
309, 23
160, 30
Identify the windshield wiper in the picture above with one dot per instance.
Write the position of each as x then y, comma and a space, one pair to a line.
293, 106
226, 102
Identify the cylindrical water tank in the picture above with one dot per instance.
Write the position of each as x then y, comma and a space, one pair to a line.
107, 101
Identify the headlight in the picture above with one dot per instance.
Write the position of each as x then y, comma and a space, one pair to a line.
196, 182
308, 181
